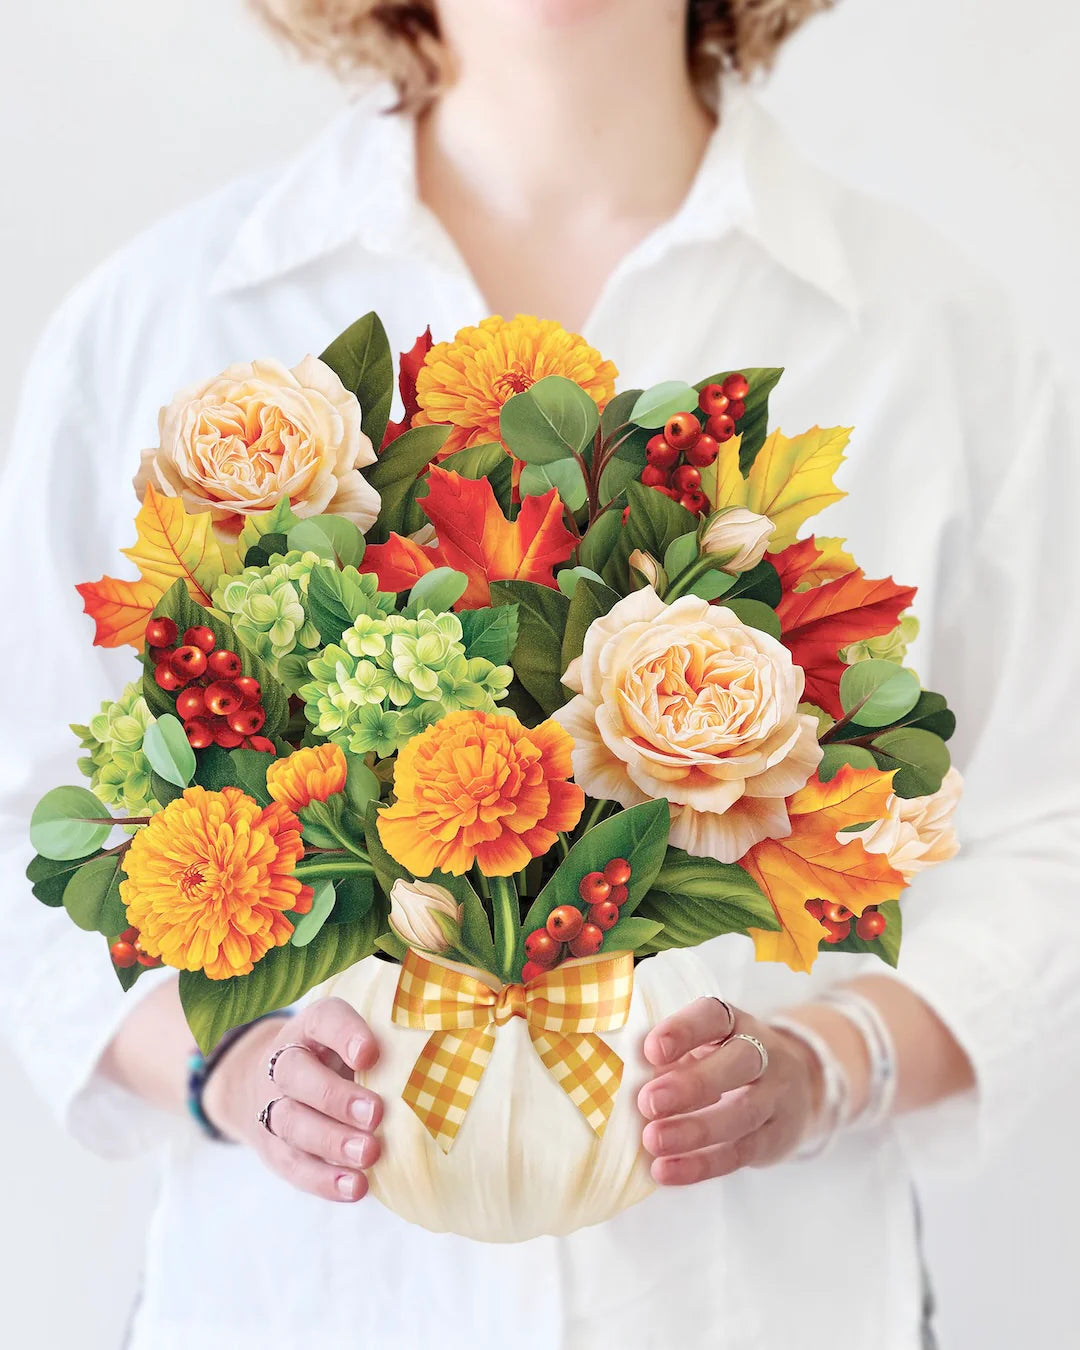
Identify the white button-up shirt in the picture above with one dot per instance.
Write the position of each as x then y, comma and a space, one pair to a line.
961, 479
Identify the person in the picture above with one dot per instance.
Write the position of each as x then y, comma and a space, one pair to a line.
600, 163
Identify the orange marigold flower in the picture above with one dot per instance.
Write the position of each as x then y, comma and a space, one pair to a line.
306, 776
210, 881
467, 381
480, 787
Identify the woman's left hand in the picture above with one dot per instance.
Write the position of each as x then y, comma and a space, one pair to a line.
710, 1108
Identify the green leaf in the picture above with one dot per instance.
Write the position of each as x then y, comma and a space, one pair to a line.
711, 585
639, 835
568, 579
362, 360
166, 746
755, 615
332, 537
485, 461
656, 405
754, 426
617, 413
334, 600
258, 529
878, 692
476, 943
887, 946
284, 975
386, 868
930, 713
49, 877
619, 472
92, 897
361, 785
177, 605
306, 926
61, 827
162, 790
244, 769
627, 935
698, 898
681, 552
591, 600
392, 945
595, 548
438, 590
920, 758
537, 656
490, 633
553, 419
563, 475
760, 583
654, 524
395, 477
355, 896
836, 756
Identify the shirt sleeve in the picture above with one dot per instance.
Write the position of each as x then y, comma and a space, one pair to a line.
991, 939
62, 504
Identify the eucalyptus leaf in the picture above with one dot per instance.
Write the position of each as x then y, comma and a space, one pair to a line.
92, 897
920, 758
62, 827
878, 693
681, 552
836, 756
166, 746
438, 590
49, 877
306, 926
485, 461
553, 419
656, 405
755, 615
711, 585
332, 537
569, 577
564, 475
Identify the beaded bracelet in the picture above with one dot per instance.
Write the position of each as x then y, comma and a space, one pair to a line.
836, 1090
868, 1021
201, 1066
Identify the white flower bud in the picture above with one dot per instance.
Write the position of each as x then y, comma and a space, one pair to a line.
646, 566
413, 906
740, 533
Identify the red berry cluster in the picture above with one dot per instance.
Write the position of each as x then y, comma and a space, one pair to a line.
217, 704
676, 456
127, 950
567, 928
837, 920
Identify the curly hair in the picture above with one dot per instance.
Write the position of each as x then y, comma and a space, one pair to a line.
400, 38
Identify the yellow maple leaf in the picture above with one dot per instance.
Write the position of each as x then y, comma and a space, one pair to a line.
789, 480
812, 864
170, 545
833, 561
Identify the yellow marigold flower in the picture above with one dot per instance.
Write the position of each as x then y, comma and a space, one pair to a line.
467, 381
480, 787
210, 881
306, 776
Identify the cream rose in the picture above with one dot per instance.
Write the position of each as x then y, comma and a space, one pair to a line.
686, 703
917, 832
259, 433
740, 534
413, 905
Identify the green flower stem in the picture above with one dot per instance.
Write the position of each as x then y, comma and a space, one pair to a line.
505, 908
564, 844
597, 813
345, 841
685, 579
326, 866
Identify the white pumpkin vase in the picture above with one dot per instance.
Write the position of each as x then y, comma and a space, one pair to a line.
525, 1162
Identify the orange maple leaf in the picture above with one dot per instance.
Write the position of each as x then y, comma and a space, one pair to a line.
169, 544
811, 864
474, 537
408, 369
811, 562
815, 624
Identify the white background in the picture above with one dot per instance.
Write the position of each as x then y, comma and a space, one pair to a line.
115, 111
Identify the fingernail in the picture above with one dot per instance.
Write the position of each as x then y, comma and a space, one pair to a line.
659, 1103
363, 1112
354, 1051
667, 1047
356, 1150
346, 1184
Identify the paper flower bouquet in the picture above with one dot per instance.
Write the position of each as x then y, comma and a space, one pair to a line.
470, 726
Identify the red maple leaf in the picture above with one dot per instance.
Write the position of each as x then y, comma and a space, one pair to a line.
815, 624
475, 537
408, 370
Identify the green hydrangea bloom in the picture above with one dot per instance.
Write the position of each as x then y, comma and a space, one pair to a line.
392, 676
891, 647
265, 605
114, 762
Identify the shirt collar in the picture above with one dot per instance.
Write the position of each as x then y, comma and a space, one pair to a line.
356, 183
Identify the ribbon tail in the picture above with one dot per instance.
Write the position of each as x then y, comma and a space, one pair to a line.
445, 1077
587, 1070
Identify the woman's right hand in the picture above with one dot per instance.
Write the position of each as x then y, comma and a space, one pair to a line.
322, 1122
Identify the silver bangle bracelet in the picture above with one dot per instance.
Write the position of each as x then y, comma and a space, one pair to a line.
836, 1091
880, 1050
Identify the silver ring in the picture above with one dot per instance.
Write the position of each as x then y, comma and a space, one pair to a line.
264, 1114
753, 1040
271, 1063
731, 1018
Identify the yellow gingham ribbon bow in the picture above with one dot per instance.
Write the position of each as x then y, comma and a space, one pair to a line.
564, 1009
